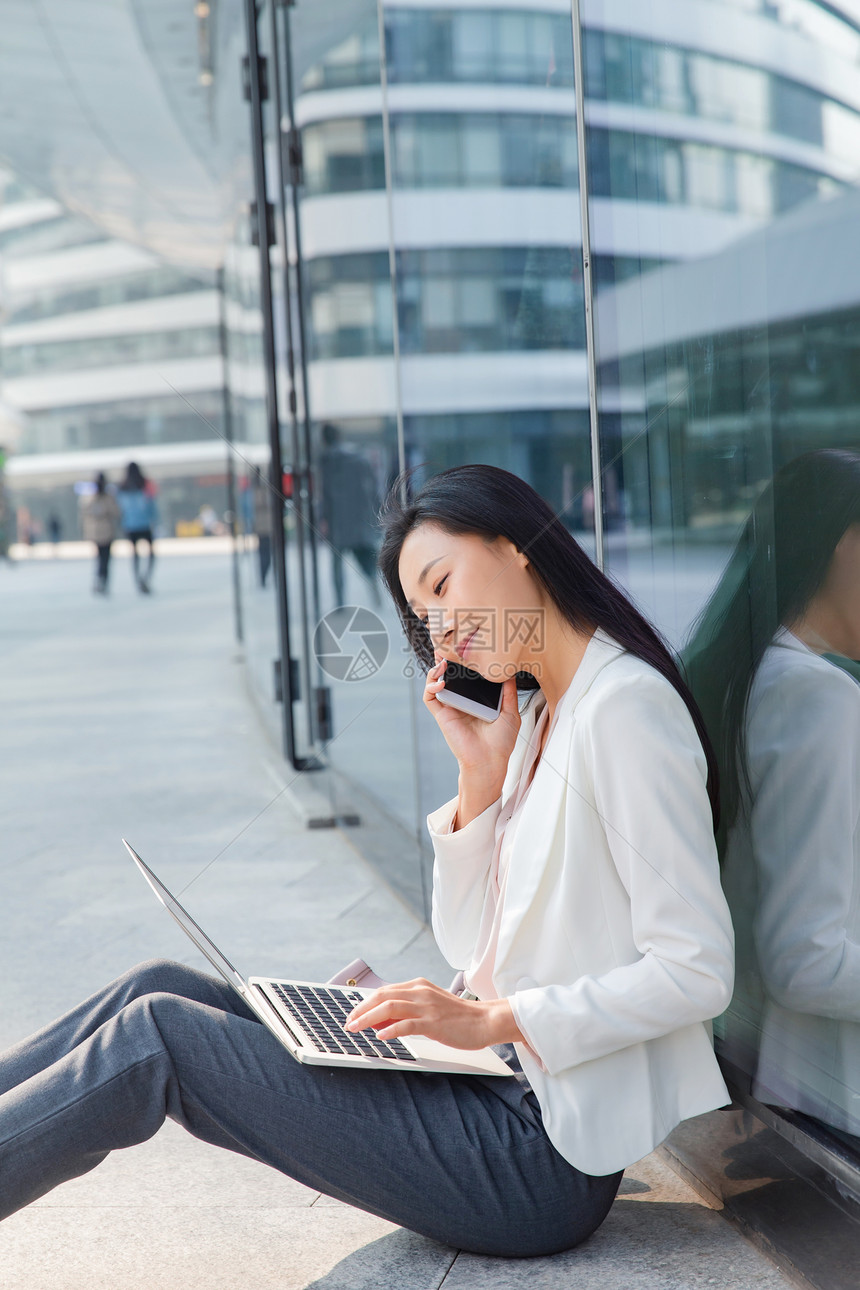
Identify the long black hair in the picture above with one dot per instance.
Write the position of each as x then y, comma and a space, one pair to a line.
778, 565
135, 480
492, 503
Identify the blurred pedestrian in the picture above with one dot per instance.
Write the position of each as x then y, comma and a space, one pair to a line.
139, 517
55, 528
101, 517
208, 519
349, 502
263, 527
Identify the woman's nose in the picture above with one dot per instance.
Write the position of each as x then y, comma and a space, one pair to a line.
440, 627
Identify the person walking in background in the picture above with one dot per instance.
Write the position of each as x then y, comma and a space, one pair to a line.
139, 517
101, 517
349, 501
262, 524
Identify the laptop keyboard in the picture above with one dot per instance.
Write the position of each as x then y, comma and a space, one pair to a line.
321, 1012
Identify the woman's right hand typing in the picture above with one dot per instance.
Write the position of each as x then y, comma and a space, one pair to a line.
482, 748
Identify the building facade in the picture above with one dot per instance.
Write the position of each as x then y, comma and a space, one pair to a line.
107, 354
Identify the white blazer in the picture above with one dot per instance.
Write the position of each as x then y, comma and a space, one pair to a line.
615, 945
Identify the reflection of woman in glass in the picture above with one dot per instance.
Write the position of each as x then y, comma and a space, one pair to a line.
577, 887
786, 723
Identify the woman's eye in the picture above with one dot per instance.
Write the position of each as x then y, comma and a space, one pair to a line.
440, 585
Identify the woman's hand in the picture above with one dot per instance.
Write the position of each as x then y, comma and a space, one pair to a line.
421, 1008
482, 748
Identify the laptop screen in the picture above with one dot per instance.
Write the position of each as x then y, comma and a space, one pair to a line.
188, 925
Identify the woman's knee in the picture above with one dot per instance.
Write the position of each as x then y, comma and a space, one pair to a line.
159, 976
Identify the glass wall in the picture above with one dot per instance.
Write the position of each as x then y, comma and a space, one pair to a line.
247, 285
426, 279
345, 333
443, 279
431, 312
728, 400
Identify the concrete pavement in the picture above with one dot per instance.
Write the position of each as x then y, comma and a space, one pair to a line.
130, 716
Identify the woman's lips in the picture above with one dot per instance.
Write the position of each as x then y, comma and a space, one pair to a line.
463, 648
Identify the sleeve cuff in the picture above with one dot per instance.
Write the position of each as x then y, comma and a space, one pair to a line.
478, 837
528, 1043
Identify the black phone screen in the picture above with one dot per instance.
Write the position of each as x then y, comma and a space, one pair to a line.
462, 680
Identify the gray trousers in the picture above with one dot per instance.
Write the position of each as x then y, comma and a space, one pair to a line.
462, 1159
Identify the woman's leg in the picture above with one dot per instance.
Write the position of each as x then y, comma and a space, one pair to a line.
150, 564
102, 554
135, 558
39, 1051
97, 1078
463, 1160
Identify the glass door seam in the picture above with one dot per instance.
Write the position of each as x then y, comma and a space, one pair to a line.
587, 282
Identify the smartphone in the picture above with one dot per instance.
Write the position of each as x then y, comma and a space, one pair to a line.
469, 692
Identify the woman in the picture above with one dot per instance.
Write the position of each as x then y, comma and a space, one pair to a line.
576, 884
101, 525
771, 664
139, 517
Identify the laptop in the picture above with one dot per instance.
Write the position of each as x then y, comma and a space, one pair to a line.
307, 1016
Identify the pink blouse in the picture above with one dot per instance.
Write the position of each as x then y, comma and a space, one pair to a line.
479, 977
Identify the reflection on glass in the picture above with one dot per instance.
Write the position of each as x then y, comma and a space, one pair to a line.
698, 134
768, 666
453, 300
105, 351
724, 152
439, 150
149, 284
246, 385
479, 232
349, 501
493, 46
622, 68
348, 334
259, 522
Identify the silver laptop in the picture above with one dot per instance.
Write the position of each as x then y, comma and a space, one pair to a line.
307, 1016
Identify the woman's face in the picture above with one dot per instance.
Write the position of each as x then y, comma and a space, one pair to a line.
482, 604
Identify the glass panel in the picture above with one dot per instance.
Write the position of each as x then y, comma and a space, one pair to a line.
246, 385
357, 661
728, 399
472, 43
485, 228
488, 319
264, 516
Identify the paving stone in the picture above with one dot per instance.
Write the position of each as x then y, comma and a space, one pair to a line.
661, 1246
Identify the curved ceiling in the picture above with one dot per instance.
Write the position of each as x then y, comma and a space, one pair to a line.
102, 105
